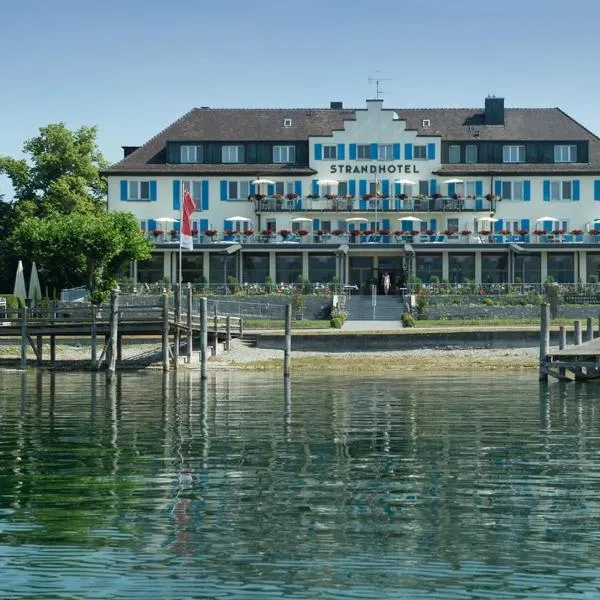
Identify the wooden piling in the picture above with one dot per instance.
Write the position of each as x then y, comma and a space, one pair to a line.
52, 348
190, 306
165, 332
38, 349
94, 341
114, 329
562, 337
24, 337
203, 337
177, 341
227, 333
577, 333
287, 353
216, 338
589, 329
544, 340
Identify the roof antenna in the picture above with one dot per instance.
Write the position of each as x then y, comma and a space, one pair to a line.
377, 79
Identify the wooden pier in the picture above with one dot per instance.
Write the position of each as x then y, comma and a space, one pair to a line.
578, 362
167, 318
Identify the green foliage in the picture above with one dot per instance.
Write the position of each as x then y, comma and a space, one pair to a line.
269, 286
233, 285
337, 321
422, 302
13, 302
488, 301
407, 320
304, 285
79, 249
201, 282
298, 302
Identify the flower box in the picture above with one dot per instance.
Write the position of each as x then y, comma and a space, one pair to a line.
577, 231
338, 232
523, 231
539, 232
291, 196
157, 232
302, 232
210, 232
249, 232
466, 232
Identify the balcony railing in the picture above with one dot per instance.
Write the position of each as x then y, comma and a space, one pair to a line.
382, 204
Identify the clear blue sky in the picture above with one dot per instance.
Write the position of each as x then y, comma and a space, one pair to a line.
131, 67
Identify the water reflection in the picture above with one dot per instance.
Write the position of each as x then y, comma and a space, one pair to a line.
301, 487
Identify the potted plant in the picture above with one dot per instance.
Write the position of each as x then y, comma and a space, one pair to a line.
449, 232
466, 232
523, 231
291, 196
194, 232
267, 232
367, 196
485, 232
173, 233
384, 232
284, 233
436, 195
210, 232
330, 196
558, 231
249, 232
539, 232
401, 196
313, 196
430, 232
577, 231
338, 232
157, 232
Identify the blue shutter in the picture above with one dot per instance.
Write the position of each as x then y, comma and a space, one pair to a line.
227, 225
498, 188
316, 224
252, 189
270, 189
396, 152
318, 151
352, 187
597, 190
204, 194
374, 151
525, 224
499, 225
451, 189
397, 189
433, 186
479, 188
433, 224
315, 187
385, 224
430, 151
151, 224
298, 188
362, 187
575, 190
203, 225
478, 204
223, 190
176, 194
546, 190
527, 191
177, 226
352, 152
548, 225
153, 195
124, 189
407, 225
341, 152
408, 151
385, 187
363, 226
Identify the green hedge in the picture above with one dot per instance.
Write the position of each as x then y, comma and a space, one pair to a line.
13, 302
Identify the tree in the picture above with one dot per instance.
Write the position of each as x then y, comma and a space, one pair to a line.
60, 174
78, 249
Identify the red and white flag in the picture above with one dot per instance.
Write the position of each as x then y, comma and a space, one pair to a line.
187, 208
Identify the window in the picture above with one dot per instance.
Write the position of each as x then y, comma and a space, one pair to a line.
342, 189
512, 190
284, 187
284, 154
426, 123
232, 154
424, 187
238, 190
454, 154
471, 154
565, 154
512, 226
561, 190
287, 122
139, 190
452, 224
419, 152
471, 188
363, 151
191, 154
194, 188
329, 152
384, 152
513, 154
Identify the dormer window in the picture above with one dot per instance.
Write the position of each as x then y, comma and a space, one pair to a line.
287, 122
426, 123
191, 154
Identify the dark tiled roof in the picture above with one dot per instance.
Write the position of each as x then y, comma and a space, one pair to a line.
452, 124
520, 169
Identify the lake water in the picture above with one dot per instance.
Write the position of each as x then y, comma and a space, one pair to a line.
337, 487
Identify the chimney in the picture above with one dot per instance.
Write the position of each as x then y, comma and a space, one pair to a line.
336, 105
494, 111
127, 150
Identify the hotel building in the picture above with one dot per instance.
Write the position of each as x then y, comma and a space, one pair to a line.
488, 195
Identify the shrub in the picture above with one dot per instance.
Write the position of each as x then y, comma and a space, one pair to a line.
488, 301
407, 320
337, 321
13, 302
269, 286
298, 305
233, 285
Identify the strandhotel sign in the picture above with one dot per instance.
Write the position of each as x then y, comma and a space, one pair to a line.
379, 168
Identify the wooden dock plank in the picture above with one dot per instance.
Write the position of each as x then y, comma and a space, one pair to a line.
586, 349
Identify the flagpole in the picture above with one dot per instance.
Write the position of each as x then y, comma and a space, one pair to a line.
180, 230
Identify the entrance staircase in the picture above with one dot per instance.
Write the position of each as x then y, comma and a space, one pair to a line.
387, 308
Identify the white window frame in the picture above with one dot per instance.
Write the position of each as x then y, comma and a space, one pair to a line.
470, 148
565, 153
284, 154
329, 152
232, 154
454, 148
515, 190
511, 225
194, 187
385, 152
422, 150
363, 149
191, 154
284, 187
136, 189
513, 154
426, 123
238, 190
561, 190
470, 188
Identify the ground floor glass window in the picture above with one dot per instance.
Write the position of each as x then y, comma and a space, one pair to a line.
494, 268
255, 267
461, 268
428, 266
561, 267
288, 268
